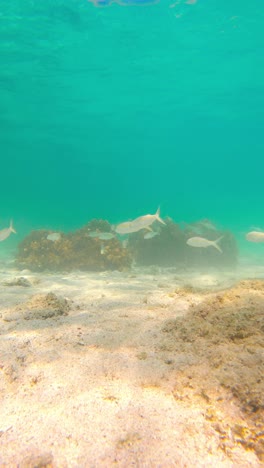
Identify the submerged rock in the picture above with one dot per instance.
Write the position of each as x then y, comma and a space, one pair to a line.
38, 307
170, 248
73, 251
24, 282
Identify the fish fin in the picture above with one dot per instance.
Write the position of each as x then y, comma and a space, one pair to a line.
148, 228
158, 218
11, 227
215, 244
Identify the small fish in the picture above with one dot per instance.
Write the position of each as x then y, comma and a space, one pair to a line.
5, 233
192, 228
55, 236
150, 235
207, 225
94, 234
106, 236
202, 242
143, 222
102, 249
195, 229
146, 221
126, 228
255, 236
101, 235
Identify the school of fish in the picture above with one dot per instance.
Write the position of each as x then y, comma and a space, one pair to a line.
146, 223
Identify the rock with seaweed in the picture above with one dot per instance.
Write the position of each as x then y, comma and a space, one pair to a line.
94, 254
74, 250
37, 252
168, 248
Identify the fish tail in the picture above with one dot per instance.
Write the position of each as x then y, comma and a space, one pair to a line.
215, 244
158, 218
11, 227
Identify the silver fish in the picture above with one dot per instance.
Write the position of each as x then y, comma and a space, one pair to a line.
54, 236
94, 234
202, 242
142, 222
106, 236
195, 229
5, 233
101, 235
207, 225
150, 235
255, 236
126, 228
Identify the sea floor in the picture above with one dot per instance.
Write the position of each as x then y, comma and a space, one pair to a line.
147, 368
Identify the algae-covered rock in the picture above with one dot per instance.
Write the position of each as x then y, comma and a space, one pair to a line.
169, 247
83, 249
21, 281
74, 250
38, 307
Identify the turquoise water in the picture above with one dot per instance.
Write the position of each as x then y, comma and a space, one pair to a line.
109, 112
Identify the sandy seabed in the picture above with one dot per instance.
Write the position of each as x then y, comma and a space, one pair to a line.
146, 368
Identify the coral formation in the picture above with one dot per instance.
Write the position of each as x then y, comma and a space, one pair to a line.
74, 250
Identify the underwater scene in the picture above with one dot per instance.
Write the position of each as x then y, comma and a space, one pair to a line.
131, 233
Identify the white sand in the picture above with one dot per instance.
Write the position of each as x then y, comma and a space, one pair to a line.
92, 388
